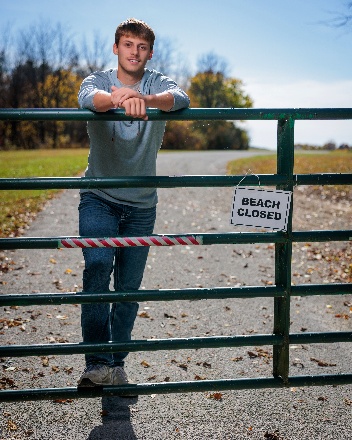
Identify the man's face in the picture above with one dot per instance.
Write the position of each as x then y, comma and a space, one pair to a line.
133, 53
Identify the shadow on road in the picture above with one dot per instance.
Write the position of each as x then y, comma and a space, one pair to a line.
116, 420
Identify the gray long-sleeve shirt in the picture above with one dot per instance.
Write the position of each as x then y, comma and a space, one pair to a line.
126, 148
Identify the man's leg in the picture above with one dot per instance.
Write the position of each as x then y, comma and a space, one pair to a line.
129, 269
97, 219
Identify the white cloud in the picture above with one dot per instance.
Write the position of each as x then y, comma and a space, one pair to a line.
307, 94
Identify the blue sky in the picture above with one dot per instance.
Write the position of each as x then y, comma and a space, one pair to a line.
280, 49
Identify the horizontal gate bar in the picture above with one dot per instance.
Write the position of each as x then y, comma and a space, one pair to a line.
171, 344
321, 289
74, 114
315, 236
30, 299
319, 338
140, 345
182, 181
138, 181
323, 179
173, 387
206, 239
140, 295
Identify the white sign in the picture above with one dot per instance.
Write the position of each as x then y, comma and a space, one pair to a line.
260, 208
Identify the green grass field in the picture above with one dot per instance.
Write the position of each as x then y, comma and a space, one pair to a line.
17, 208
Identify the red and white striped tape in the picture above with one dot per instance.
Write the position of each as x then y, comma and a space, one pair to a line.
183, 240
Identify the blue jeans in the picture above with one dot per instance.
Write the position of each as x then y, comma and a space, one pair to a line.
100, 323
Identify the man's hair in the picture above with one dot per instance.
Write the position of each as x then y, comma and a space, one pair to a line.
137, 28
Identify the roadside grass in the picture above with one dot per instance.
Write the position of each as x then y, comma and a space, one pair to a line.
19, 207
305, 163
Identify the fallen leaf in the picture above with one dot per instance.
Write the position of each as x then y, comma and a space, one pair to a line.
342, 315
263, 353
145, 364
166, 315
45, 361
267, 282
63, 400
10, 368
152, 377
297, 363
6, 381
215, 396
237, 359
196, 377
144, 314
322, 363
252, 355
273, 435
11, 425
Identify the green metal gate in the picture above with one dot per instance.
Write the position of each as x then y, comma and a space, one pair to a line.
281, 292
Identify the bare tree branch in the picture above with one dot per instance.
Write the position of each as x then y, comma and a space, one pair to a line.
340, 19
96, 56
212, 63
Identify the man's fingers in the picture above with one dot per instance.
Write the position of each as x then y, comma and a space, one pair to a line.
135, 107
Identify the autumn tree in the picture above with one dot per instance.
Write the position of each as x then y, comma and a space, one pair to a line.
212, 88
168, 59
41, 74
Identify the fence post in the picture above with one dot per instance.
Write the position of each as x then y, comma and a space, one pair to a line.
283, 252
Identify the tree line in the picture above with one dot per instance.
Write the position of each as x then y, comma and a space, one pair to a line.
43, 67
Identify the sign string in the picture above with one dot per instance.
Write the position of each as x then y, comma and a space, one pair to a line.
246, 175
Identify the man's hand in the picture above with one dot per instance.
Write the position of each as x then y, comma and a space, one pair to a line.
135, 107
132, 101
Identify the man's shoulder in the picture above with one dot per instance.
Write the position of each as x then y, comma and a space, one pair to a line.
154, 77
152, 73
103, 74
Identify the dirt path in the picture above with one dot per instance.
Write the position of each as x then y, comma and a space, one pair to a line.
290, 414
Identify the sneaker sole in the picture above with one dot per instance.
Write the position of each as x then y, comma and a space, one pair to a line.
87, 383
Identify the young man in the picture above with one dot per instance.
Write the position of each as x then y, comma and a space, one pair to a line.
120, 148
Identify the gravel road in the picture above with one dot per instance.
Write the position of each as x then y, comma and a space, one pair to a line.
277, 414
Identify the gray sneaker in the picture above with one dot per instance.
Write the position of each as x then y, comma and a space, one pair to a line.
95, 375
119, 377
